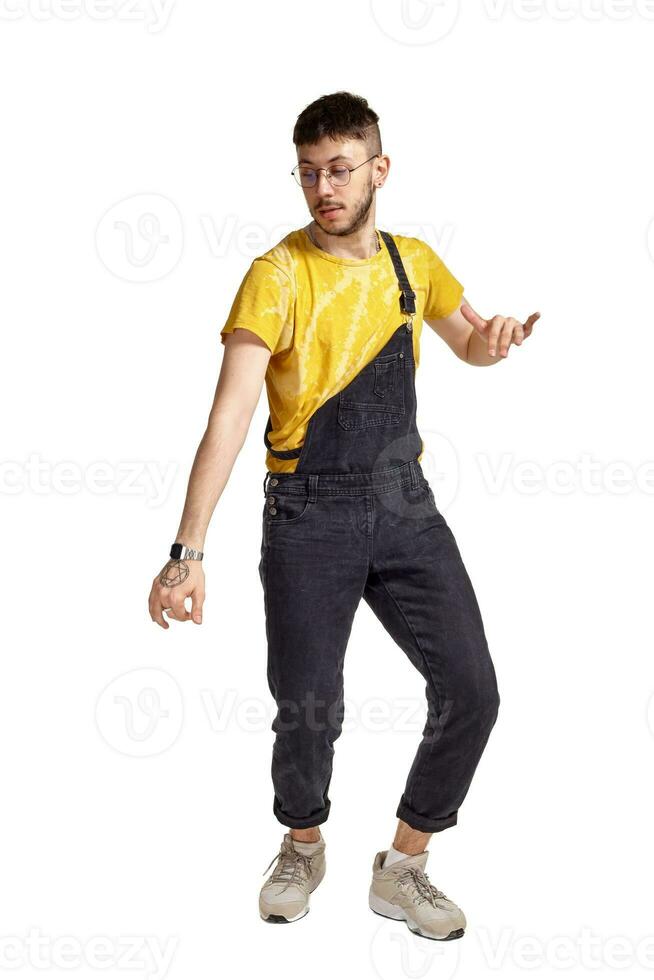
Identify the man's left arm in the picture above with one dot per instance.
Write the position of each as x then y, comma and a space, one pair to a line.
476, 340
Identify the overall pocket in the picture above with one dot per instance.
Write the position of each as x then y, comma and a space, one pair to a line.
376, 395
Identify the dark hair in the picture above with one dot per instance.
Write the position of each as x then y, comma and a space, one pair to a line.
339, 115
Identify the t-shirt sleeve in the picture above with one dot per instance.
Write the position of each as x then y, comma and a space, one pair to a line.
444, 291
264, 305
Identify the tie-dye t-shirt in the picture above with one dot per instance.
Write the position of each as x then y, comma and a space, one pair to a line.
325, 317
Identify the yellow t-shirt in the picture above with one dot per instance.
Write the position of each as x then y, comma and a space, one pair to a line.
325, 317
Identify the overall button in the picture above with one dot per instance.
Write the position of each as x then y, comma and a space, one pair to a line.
271, 500
401, 354
274, 482
272, 510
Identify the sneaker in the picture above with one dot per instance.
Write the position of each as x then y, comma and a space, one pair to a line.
284, 896
403, 891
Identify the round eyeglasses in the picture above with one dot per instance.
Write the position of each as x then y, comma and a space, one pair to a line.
337, 176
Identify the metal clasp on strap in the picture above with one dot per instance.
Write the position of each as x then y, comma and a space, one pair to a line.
408, 301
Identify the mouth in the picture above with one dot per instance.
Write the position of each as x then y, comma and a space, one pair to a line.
329, 212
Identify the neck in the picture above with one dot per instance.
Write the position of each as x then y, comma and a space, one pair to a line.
363, 244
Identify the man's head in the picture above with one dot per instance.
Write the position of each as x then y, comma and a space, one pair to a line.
336, 131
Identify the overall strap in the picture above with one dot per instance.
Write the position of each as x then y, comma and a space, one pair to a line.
407, 297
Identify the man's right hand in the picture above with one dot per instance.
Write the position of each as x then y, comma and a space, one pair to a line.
178, 579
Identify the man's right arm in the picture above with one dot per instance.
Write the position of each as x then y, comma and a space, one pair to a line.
237, 394
240, 381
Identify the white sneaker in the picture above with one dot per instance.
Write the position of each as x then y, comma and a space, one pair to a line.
284, 896
403, 891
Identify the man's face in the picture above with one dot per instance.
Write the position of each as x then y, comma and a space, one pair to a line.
339, 210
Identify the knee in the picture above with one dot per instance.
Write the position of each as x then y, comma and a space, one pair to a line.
479, 698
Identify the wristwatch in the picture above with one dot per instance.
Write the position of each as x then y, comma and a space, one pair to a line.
179, 550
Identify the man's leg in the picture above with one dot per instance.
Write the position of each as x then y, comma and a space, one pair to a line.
420, 590
313, 573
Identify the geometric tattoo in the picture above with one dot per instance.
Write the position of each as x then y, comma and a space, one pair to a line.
174, 573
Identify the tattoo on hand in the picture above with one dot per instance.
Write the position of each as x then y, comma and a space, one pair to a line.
174, 573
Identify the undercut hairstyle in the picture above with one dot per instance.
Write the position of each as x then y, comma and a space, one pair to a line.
340, 115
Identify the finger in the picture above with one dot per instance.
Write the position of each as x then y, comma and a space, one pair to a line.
518, 334
496, 325
478, 322
504, 339
197, 601
178, 609
156, 612
530, 321
511, 333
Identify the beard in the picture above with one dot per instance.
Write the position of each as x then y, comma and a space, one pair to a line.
359, 218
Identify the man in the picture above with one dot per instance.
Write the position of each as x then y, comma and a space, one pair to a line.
330, 318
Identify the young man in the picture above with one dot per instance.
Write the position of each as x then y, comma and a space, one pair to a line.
331, 318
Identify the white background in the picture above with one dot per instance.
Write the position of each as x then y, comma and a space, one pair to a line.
136, 762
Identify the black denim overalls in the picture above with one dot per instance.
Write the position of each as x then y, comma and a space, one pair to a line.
358, 519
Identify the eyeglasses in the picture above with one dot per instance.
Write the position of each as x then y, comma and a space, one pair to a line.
337, 176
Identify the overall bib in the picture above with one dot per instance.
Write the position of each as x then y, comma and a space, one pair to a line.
358, 519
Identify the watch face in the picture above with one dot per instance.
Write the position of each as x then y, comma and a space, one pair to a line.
176, 551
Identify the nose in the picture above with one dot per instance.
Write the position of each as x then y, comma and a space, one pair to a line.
322, 186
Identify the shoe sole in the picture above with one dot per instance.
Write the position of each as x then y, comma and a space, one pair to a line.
277, 919
281, 919
389, 911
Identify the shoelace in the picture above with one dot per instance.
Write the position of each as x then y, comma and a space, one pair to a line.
293, 866
426, 892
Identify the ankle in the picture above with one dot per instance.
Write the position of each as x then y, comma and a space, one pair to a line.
309, 836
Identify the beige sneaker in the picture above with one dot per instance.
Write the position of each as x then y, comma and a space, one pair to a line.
284, 896
403, 891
